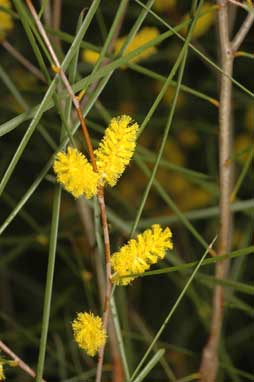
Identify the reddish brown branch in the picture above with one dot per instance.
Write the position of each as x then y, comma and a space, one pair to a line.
27, 369
100, 194
22, 60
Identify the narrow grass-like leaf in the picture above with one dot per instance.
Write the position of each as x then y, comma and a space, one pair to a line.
119, 14
11, 255
12, 88
171, 312
119, 337
164, 195
165, 135
150, 365
199, 53
242, 175
186, 89
245, 206
26, 22
49, 282
181, 58
41, 109
237, 286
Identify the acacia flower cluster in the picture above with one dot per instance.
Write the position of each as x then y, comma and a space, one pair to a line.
145, 35
6, 22
89, 332
114, 153
138, 255
116, 149
75, 173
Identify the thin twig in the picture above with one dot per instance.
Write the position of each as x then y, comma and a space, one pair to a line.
58, 69
241, 34
238, 4
56, 20
18, 360
209, 362
22, 60
100, 194
108, 276
88, 224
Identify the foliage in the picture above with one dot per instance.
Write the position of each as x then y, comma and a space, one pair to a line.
51, 242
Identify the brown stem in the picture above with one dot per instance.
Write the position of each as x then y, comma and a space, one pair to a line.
103, 212
22, 60
209, 362
56, 20
241, 34
100, 193
237, 3
87, 221
18, 360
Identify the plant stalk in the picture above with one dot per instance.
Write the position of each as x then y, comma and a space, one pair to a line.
209, 362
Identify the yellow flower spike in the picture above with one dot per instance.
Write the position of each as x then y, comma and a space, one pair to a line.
145, 35
89, 332
116, 149
6, 22
138, 255
75, 173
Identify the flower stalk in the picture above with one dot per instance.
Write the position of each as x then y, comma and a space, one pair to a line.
100, 194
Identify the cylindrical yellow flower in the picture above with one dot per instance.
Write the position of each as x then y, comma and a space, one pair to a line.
89, 332
6, 22
138, 255
116, 149
76, 174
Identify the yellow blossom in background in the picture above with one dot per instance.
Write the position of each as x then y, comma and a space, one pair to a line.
90, 56
187, 137
2, 377
239, 236
89, 332
116, 149
142, 37
138, 255
173, 153
175, 188
243, 144
86, 276
75, 173
249, 117
6, 22
42, 239
194, 197
203, 22
164, 5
